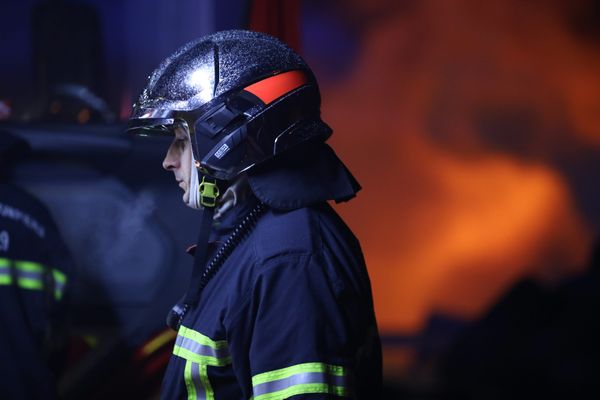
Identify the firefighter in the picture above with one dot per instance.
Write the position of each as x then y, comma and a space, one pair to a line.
279, 302
34, 266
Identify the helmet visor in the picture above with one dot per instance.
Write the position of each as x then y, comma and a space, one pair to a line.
150, 126
146, 122
151, 122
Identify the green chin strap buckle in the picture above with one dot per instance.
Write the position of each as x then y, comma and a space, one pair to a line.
209, 191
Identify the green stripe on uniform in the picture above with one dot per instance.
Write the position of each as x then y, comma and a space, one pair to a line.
306, 378
200, 359
32, 267
189, 384
59, 276
210, 394
306, 388
29, 266
200, 338
29, 283
295, 369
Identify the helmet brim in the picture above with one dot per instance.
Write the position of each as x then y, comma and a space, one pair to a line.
150, 126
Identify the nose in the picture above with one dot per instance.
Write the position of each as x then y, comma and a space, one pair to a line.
170, 161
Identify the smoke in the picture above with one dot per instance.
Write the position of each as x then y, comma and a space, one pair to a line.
115, 240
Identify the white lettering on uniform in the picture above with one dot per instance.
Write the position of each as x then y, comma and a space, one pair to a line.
17, 215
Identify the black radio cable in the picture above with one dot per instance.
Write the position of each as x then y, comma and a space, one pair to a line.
176, 315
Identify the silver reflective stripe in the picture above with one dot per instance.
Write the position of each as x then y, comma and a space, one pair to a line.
197, 382
60, 281
59, 287
201, 349
305, 378
299, 379
38, 276
5, 276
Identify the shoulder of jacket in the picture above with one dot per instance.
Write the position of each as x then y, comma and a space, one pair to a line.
286, 233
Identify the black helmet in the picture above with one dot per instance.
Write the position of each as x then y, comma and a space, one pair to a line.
244, 96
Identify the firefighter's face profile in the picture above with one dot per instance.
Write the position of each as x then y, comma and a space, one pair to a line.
179, 159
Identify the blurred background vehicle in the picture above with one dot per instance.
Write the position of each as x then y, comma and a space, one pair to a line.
473, 127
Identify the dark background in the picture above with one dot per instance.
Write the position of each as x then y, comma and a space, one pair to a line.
474, 128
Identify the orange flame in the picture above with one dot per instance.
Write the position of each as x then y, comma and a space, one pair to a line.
449, 220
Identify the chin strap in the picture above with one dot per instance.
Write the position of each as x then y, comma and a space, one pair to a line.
205, 196
194, 190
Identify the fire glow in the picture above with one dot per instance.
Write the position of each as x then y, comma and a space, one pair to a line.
448, 218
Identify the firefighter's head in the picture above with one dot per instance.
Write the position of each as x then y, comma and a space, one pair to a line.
231, 100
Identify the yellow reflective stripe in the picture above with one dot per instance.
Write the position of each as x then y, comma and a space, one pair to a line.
61, 280
210, 395
29, 283
295, 369
305, 388
303, 378
189, 384
200, 359
33, 283
200, 379
29, 266
200, 338
59, 276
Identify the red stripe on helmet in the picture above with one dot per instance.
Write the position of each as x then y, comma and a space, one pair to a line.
276, 86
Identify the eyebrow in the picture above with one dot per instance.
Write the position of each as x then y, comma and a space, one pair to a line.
180, 133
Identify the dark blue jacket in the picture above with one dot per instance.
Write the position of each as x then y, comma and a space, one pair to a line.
289, 313
34, 265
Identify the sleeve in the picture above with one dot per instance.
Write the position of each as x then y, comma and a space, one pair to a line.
295, 335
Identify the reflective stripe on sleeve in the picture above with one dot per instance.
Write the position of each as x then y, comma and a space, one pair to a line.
30, 275
60, 281
189, 382
197, 388
301, 379
199, 352
194, 346
5, 278
29, 266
